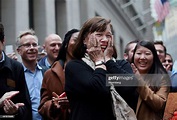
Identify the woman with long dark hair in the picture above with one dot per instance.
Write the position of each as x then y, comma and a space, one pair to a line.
53, 107
153, 82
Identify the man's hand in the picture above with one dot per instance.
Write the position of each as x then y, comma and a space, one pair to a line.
10, 107
7, 95
12, 56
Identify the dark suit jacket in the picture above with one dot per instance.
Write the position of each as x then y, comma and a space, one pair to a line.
12, 79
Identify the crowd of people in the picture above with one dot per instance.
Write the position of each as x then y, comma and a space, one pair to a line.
70, 81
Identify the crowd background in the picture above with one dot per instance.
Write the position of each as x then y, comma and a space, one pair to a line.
130, 23
137, 19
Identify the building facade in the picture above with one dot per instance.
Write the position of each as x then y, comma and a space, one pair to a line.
131, 19
168, 30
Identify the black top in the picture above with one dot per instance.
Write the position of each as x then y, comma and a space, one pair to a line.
88, 94
12, 79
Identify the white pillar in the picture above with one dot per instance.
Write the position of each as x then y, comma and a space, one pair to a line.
15, 18
44, 18
73, 14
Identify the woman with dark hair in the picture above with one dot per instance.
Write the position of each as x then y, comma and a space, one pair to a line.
54, 80
153, 82
95, 54
66, 49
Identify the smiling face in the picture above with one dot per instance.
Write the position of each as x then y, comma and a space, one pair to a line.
102, 37
28, 49
71, 44
52, 45
160, 52
143, 59
168, 62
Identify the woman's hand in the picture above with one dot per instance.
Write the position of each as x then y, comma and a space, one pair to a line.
136, 71
138, 76
109, 51
94, 49
59, 102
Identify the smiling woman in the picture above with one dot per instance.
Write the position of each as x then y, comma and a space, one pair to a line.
153, 82
95, 54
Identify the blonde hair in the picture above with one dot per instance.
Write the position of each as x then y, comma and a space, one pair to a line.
23, 33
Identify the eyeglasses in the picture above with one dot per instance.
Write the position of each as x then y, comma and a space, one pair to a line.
168, 61
28, 45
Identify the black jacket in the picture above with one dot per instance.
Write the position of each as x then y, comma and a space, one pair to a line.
86, 89
12, 79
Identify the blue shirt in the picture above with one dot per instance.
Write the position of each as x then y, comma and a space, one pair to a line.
44, 62
173, 78
34, 83
47, 64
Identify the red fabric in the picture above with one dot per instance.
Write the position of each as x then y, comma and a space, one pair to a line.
162, 9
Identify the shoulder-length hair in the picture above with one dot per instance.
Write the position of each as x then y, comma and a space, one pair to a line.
157, 66
98, 24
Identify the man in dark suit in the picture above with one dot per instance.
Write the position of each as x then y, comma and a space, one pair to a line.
14, 96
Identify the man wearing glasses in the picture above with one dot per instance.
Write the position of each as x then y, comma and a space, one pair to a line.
168, 62
27, 48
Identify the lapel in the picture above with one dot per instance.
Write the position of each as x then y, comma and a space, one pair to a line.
59, 71
138, 104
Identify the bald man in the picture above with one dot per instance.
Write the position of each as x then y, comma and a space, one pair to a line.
51, 46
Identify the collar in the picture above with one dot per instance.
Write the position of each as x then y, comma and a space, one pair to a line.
47, 63
6, 61
37, 67
3, 57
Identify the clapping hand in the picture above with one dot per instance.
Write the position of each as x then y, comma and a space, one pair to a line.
136, 71
60, 101
8, 106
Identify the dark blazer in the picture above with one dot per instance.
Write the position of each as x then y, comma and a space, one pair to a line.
86, 89
12, 79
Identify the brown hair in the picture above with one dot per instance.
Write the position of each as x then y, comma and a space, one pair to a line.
161, 43
98, 24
